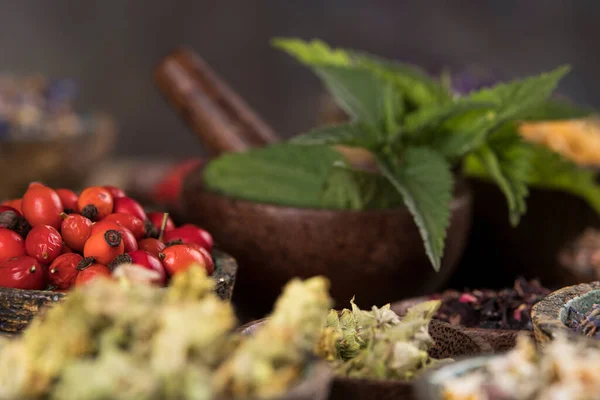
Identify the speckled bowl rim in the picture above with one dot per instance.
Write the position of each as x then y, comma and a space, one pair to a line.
546, 315
484, 333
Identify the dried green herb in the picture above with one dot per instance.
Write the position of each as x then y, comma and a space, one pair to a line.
378, 344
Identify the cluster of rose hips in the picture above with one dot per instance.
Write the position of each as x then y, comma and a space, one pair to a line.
54, 239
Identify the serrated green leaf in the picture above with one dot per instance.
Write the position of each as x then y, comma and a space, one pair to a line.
431, 116
425, 182
313, 53
506, 159
417, 87
348, 188
352, 134
553, 109
513, 100
282, 174
551, 171
361, 94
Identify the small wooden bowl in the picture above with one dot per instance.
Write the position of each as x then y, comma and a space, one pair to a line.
451, 342
58, 162
499, 339
376, 255
18, 307
550, 315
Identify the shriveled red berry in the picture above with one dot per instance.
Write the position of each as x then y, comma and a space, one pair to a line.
131, 222
43, 243
127, 205
104, 247
76, 230
68, 198
22, 272
90, 271
151, 245
157, 219
63, 270
180, 257
41, 206
115, 192
95, 203
190, 234
11, 245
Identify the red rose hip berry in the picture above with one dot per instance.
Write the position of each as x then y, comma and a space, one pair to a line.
89, 270
42, 206
68, 199
11, 245
190, 234
156, 218
43, 243
115, 192
76, 230
22, 272
180, 257
104, 247
127, 205
144, 259
63, 270
131, 222
152, 246
95, 203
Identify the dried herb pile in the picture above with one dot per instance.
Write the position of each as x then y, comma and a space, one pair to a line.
123, 341
490, 309
378, 344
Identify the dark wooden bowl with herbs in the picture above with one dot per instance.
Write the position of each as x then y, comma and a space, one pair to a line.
498, 317
356, 372
570, 310
309, 206
532, 248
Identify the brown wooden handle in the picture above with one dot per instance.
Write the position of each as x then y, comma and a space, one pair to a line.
217, 114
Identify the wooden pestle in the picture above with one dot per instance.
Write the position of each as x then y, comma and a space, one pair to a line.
215, 112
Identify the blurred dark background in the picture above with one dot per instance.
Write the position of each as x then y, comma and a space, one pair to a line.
110, 47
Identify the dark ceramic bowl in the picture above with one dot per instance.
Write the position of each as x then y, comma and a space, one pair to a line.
429, 386
500, 340
451, 342
531, 249
551, 315
18, 307
377, 256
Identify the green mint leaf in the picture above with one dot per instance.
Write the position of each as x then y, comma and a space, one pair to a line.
348, 188
554, 109
313, 53
424, 180
550, 170
506, 159
360, 94
432, 116
417, 87
352, 134
282, 174
513, 100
